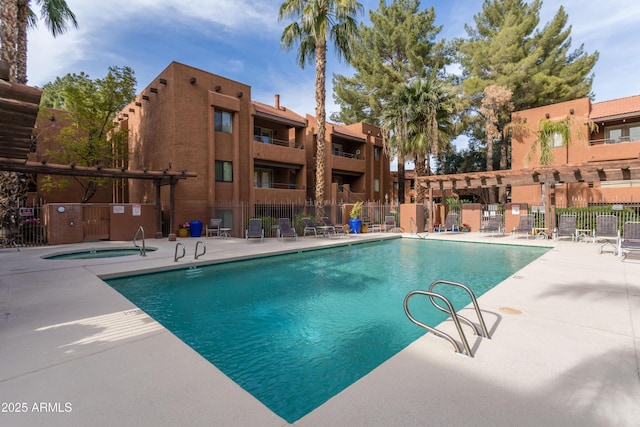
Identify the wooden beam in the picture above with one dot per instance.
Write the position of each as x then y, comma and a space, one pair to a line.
13, 165
20, 92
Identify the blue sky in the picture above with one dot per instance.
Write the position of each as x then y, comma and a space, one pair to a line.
240, 40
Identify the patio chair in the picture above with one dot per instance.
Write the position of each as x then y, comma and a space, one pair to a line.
607, 231
285, 230
525, 226
631, 239
450, 223
213, 228
336, 228
567, 227
309, 226
494, 225
389, 223
255, 230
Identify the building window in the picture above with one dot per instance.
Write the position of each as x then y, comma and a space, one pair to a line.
624, 133
262, 178
376, 185
376, 153
223, 121
556, 140
224, 171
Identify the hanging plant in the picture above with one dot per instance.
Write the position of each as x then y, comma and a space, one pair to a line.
547, 131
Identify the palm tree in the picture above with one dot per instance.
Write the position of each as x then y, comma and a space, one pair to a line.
314, 22
55, 13
395, 123
429, 126
15, 18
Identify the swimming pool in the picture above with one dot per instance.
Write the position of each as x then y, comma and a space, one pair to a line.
295, 330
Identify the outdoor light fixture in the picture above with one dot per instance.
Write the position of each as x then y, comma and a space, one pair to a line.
546, 116
192, 80
239, 94
571, 111
218, 88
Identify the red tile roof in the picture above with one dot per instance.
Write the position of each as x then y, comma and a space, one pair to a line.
615, 107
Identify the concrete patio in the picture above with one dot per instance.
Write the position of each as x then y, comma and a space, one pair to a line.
565, 348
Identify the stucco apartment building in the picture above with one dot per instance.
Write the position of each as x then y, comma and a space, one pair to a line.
601, 132
243, 151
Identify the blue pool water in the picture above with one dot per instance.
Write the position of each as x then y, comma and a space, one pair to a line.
295, 330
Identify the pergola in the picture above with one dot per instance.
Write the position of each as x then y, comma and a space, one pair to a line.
19, 105
548, 175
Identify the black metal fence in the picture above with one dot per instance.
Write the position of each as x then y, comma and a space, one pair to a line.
28, 230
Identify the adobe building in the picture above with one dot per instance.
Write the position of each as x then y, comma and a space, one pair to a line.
243, 151
601, 132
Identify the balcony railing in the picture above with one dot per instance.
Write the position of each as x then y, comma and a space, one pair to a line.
274, 141
348, 155
280, 186
611, 140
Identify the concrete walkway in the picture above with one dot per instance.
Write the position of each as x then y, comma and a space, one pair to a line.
565, 349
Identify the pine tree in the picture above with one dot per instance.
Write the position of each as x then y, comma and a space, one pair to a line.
507, 48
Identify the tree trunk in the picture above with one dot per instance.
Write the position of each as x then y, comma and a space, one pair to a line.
8, 34
321, 68
21, 41
421, 170
492, 191
400, 176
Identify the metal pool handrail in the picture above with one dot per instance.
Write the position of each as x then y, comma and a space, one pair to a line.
439, 333
204, 249
143, 248
485, 332
175, 255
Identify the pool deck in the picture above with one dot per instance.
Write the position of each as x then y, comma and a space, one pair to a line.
565, 348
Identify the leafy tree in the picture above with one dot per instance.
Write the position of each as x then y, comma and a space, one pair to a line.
398, 47
506, 49
315, 22
92, 138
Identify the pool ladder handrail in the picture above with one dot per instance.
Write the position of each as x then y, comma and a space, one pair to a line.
143, 248
485, 332
454, 316
204, 251
175, 255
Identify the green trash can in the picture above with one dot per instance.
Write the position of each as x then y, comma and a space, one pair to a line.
195, 228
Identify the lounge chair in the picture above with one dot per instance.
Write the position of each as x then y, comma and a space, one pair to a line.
526, 226
631, 239
607, 231
567, 227
336, 228
255, 230
309, 226
285, 230
494, 225
389, 223
213, 228
450, 223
